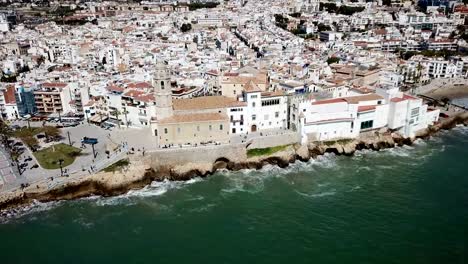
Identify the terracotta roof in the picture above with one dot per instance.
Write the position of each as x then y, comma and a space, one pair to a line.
251, 87
133, 93
205, 102
272, 94
329, 101
189, 118
405, 97
10, 95
145, 98
139, 85
115, 88
54, 85
366, 108
359, 98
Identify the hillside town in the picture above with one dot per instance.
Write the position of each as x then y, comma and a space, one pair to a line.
185, 74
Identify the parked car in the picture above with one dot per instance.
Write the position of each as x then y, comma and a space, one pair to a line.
90, 141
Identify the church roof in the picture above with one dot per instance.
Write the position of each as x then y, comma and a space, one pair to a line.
190, 118
205, 102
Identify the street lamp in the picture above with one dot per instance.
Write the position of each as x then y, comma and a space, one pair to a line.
69, 140
60, 164
16, 160
94, 151
87, 111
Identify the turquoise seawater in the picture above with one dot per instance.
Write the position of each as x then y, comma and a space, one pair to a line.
402, 205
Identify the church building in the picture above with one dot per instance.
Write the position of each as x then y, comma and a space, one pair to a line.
172, 127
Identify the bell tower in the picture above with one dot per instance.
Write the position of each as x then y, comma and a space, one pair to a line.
162, 91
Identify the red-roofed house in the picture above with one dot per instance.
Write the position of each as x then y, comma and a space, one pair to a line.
8, 107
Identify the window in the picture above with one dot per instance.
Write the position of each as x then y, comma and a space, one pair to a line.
178, 130
367, 124
210, 127
266, 117
162, 85
253, 96
221, 127
198, 128
415, 112
253, 104
165, 130
254, 117
232, 118
276, 114
270, 102
379, 102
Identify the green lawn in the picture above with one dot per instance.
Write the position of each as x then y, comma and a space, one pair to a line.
264, 151
117, 166
49, 157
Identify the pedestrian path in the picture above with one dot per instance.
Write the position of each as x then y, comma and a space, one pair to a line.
7, 175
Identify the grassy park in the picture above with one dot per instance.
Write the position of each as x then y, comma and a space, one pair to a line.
118, 166
49, 157
264, 151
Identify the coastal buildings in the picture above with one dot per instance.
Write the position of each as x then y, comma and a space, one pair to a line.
347, 117
309, 67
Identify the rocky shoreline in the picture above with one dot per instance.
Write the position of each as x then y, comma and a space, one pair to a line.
139, 174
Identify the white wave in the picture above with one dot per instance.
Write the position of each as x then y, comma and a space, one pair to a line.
386, 167
364, 168
323, 184
317, 195
397, 151
33, 208
357, 187
196, 198
328, 160
203, 208
82, 222
420, 142
245, 183
153, 190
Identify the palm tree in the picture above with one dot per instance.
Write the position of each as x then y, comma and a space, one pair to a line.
125, 112
5, 133
419, 69
116, 113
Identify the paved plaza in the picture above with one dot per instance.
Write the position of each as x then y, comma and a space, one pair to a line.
84, 164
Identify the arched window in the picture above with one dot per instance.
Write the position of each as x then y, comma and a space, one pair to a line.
162, 85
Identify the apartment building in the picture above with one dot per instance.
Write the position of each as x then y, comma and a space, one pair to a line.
53, 98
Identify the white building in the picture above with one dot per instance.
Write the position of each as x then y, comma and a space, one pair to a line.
347, 117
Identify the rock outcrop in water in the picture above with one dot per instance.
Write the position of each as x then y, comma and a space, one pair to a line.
140, 175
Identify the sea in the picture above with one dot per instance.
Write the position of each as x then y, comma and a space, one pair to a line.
402, 205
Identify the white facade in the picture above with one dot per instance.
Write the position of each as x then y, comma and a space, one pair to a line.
347, 117
265, 110
3, 24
